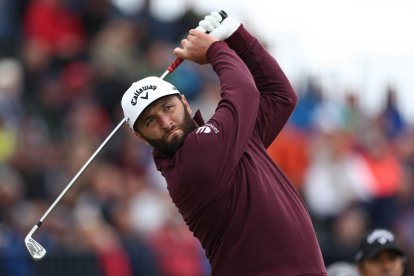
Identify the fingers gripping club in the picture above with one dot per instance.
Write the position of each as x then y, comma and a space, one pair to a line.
178, 61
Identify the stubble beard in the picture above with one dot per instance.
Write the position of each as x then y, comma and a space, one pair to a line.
170, 148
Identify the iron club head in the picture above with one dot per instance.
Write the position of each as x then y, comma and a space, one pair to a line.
35, 249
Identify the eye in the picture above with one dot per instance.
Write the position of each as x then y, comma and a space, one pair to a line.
168, 107
149, 121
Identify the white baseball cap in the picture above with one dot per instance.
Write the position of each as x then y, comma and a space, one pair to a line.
141, 94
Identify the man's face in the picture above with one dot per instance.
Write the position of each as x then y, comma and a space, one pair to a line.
166, 123
387, 263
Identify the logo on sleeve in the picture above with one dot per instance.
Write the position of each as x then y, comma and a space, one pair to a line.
203, 129
207, 129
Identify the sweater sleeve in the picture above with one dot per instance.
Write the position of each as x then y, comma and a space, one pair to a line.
277, 97
212, 152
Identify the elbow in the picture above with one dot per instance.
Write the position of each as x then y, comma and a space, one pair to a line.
290, 98
294, 98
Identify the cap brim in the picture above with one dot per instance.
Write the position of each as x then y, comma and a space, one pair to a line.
378, 250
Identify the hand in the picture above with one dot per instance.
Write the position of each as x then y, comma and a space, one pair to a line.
195, 46
221, 30
209, 23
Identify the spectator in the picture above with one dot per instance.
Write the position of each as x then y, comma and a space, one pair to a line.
9, 26
290, 150
380, 254
342, 269
337, 175
341, 242
308, 102
391, 117
387, 171
60, 29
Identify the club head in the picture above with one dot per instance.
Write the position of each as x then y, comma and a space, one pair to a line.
35, 249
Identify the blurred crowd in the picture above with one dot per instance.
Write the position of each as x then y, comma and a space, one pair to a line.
355, 171
64, 66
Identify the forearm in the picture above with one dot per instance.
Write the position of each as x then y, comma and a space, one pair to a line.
235, 77
236, 112
277, 97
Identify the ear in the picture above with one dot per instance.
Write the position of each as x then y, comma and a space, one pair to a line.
186, 104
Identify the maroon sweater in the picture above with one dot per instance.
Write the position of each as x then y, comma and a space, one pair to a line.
236, 201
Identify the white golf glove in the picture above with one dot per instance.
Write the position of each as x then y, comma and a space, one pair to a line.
221, 30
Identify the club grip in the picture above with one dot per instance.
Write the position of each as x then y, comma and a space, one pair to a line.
223, 14
175, 64
178, 60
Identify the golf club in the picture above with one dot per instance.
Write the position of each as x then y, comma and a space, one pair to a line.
36, 250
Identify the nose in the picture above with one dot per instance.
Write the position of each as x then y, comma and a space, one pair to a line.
165, 122
387, 264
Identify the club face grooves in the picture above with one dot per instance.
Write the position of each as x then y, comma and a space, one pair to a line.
36, 250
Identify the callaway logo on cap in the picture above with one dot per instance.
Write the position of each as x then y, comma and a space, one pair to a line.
141, 94
139, 91
375, 242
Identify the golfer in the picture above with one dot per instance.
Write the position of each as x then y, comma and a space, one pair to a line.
235, 200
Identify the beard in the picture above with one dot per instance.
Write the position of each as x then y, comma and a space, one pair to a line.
170, 148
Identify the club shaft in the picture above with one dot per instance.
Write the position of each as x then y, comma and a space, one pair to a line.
81, 171
169, 70
165, 74
83, 168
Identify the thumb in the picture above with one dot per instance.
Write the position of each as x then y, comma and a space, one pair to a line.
179, 52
